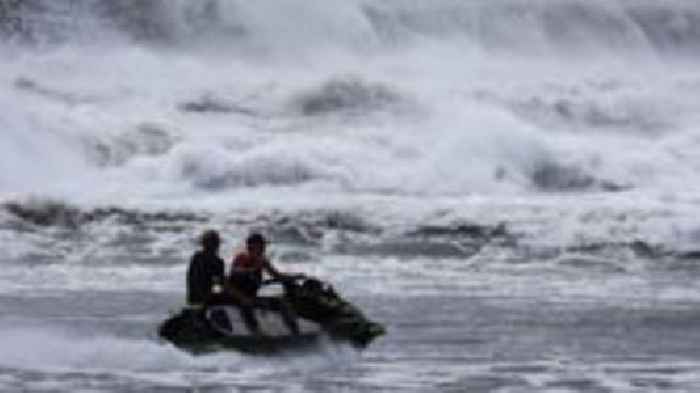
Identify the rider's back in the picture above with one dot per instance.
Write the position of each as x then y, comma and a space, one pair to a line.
205, 268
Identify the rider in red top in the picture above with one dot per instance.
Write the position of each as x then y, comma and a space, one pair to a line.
246, 277
248, 266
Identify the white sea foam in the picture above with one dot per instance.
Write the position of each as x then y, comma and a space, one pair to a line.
574, 122
55, 351
483, 123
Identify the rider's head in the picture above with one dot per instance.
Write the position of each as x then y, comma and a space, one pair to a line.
210, 240
255, 243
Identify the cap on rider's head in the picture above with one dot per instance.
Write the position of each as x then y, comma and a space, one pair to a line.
210, 239
255, 238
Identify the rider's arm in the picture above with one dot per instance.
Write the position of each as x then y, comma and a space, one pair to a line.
276, 274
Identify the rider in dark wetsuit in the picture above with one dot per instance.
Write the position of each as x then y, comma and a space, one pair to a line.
206, 269
246, 277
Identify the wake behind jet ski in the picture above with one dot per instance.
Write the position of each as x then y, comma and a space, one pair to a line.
229, 314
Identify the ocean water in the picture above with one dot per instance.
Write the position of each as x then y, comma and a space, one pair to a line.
512, 187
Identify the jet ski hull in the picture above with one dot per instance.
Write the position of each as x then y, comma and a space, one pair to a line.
321, 313
199, 331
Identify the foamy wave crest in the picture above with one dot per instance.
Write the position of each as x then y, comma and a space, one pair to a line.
276, 165
349, 95
34, 152
145, 140
606, 105
517, 26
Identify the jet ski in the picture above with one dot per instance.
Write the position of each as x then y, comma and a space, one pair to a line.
321, 313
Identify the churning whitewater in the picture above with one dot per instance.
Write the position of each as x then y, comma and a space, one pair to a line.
512, 187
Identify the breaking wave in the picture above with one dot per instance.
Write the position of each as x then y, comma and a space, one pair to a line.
566, 27
347, 95
151, 106
391, 98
